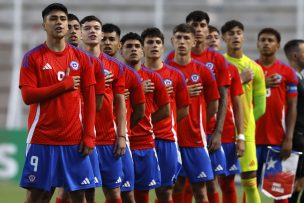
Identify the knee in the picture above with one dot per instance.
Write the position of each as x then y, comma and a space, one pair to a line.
112, 194
164, 193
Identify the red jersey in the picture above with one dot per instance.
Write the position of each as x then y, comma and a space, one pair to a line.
190, 130
276, 105
142, 134
137, 95
166, 129
217, 63
56, 121
105, 122
99, 75
235, 89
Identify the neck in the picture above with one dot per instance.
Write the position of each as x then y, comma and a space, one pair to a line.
56, 45
93, 49
295, 66
153, 64
235, 53
182, 60
199, 47
267, 60
136, 66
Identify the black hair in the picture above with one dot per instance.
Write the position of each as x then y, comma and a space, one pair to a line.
197, 16
71, 17
212, 28
131, 36
109, 27
292, 46
230, 25
152, 32
185, 28
54, 7
89, 19
272, 31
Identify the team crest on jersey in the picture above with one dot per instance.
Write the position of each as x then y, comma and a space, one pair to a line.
195, 78
210, 66
74, 65
168, 82
32, 178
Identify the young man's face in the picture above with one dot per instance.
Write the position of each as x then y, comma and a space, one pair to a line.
201, 30
213, 40
132, 52
91, 33
56, 24
183, 43
110, 43
153, 47
74, 34
234, 38
267, 44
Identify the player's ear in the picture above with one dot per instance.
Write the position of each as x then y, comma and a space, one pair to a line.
119, 45
43, 25
172, 38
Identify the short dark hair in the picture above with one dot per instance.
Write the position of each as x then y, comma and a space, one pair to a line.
54, 7
292, 46
197, 16
89, 19
185, 28
71, 17
269, 30
231, 24
152, 32
109, 27
212, 28
131, 36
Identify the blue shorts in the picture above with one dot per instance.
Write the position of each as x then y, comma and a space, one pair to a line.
232, 161
261, 153
128, 171
95, 165
146, 169
196, 164
110, 167
49, 166
169, 160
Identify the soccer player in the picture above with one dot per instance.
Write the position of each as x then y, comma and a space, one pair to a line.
234, 119
54, 77
294, 51
135, 105
281, 101
74, 34
146, 168
203, 104
110, 43
165, 131
110, 140
254, 104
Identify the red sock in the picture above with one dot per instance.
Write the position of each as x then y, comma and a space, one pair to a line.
178, 197
214, 197
58, 200
141, 196
203, 202
244, 197
228, 189
170, 201
281, 201
188, 192
114, 201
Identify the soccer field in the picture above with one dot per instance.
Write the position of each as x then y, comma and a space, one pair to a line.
11, 193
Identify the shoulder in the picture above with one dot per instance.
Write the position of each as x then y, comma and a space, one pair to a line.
35, 52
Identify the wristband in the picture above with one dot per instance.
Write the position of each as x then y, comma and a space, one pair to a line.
241, 137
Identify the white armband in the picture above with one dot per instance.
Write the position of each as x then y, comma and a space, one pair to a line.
241, 137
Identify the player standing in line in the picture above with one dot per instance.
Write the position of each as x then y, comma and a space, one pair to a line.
165, 131
294, 51
110, 140
233, 120
199, 20
254, 104
281, 101
135, 105
146, 168
54, 77
203, 104
74, 37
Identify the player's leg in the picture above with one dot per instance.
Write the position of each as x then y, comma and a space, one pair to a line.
147, 173
77, 196
170, 164
127, 186
248, 176
111, 172
62, 196
188, 195
178, 189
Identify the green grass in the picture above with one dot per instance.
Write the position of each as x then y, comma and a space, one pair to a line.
10, 192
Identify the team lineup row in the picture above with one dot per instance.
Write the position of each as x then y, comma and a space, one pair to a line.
197, 118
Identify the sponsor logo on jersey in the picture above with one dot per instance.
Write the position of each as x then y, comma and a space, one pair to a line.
195, 77
47, 67
74, 65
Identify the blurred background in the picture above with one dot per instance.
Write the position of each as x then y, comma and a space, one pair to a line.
21, 30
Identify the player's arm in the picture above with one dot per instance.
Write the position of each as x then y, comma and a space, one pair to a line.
182, 98
182, 113
33, 95
137, 114
239, 124
161, 113
259, 93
